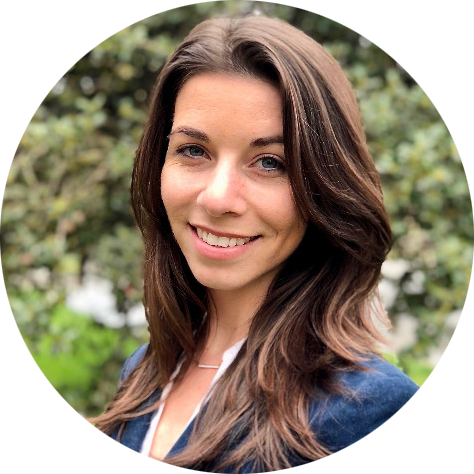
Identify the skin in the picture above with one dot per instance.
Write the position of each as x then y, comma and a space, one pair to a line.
224, 173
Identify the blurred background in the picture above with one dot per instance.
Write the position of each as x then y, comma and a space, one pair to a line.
71, 253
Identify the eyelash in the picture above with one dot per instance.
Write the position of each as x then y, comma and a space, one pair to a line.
184, 151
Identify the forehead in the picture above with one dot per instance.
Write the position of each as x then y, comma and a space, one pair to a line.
229, 102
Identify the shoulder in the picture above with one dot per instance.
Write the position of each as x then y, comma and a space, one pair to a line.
379, 379
132, 361
374, 395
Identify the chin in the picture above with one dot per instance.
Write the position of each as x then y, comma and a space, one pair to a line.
212, 283
215, 280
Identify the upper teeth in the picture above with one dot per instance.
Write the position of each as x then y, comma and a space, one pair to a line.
212, 239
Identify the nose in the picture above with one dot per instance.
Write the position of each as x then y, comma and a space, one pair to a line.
223, 191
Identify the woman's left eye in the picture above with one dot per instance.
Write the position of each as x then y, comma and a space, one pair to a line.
270, 163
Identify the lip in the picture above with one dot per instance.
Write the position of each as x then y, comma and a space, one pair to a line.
219, 253
217, 233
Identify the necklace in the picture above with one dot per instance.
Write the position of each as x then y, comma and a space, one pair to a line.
204, 366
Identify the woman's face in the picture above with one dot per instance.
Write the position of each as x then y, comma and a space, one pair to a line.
224, 183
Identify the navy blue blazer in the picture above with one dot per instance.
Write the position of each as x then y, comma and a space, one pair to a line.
337, 421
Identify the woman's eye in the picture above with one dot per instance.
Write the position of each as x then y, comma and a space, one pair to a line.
192, 151
268, 163
195, 151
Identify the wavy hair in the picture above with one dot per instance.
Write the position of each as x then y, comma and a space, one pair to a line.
318, 315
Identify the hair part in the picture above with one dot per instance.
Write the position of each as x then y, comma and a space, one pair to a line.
317, 318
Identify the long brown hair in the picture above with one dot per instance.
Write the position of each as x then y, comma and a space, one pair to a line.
317, 318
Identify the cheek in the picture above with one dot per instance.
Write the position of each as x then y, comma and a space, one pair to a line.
173, 192
166, 188
286, 219
292, 229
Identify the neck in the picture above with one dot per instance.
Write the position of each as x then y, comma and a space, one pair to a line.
230, 315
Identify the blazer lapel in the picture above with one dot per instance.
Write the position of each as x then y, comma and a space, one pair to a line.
136, 429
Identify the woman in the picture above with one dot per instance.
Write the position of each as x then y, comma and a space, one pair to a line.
265, 231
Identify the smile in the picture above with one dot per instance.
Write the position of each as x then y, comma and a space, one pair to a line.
222, 241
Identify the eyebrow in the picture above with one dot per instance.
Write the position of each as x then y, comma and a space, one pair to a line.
191, 132
198, 135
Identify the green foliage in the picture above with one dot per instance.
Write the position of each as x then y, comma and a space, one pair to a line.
71, 362
392, 359
80, 357
66, 205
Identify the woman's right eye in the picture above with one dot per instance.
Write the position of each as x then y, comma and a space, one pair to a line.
192, 151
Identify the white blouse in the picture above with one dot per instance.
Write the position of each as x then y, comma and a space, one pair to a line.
227, 358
